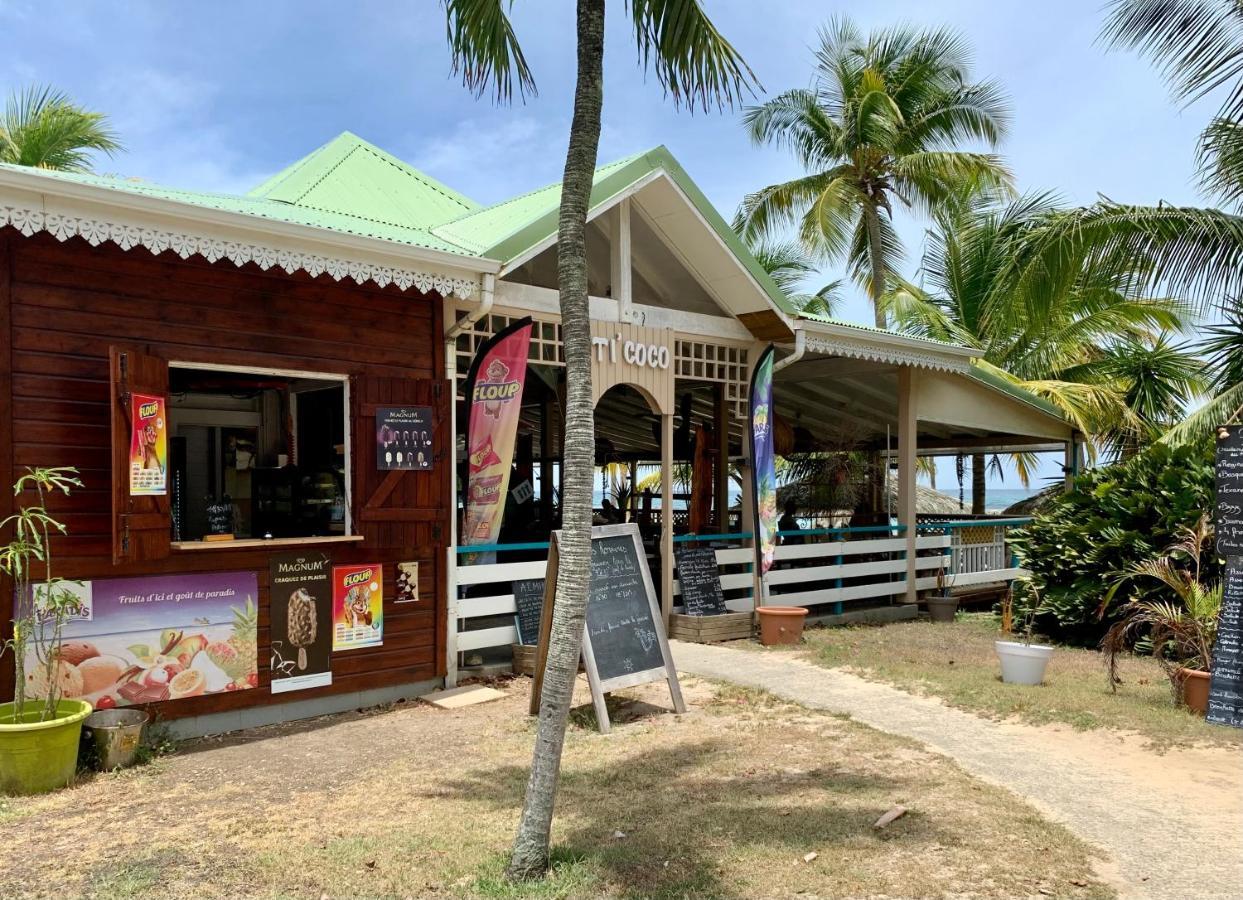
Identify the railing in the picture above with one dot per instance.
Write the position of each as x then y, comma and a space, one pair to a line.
979, 550
827, 570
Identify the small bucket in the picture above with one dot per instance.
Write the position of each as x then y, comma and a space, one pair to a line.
781, 624
117, 734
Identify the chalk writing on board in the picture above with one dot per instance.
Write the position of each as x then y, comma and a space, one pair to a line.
619, 613
1229, 476
529, 600
1225, 692
701, 582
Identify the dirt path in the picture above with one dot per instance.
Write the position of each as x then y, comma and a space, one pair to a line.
1171, 823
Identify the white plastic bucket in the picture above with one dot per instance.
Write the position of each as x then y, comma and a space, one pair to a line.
1021, 663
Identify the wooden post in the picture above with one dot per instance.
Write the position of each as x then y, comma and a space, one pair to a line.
545, 463
620, 270
1072, 465
666, 516
908, 426
721, 426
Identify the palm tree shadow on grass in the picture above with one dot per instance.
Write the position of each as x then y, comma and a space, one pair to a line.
680, 817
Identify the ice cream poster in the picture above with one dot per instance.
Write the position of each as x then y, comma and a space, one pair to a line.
148, 446
403, 437
301, 621
494, 392
357, 606
166, 637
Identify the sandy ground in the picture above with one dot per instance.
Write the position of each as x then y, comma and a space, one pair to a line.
1171, 823
744, 796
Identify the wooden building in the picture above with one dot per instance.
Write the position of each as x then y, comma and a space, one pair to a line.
306, 344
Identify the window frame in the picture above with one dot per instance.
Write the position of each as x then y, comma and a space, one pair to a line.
350, 536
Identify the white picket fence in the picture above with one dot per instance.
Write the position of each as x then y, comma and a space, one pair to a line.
841, 568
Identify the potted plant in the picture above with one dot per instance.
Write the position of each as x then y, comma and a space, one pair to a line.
1022, 662
1179, 634
942, 604
41, 728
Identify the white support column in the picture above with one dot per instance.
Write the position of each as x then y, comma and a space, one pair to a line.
907, 436
1073, 464
620, 269
666, 515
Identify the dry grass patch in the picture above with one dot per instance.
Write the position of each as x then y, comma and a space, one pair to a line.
957, 663
724, 801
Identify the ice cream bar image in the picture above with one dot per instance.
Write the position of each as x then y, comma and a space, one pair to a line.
301, 623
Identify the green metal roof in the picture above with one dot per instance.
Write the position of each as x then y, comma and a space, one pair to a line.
505, 231
859, 326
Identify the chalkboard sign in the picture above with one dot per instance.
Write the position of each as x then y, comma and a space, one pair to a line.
621, 626
1230, 490
624, 641
529, 598
701, 582
1225, 690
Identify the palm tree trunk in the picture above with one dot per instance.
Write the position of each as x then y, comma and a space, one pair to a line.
979, 469
531, 845
871, 220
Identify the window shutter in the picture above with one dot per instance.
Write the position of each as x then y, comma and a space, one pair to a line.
398, 508
140, 524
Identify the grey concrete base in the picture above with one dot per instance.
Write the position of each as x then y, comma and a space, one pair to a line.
486, 670
877, 615
293, 709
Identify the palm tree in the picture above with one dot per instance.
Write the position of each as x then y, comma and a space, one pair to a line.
789, 265
882, 124
1053, 325
697, 66
43, 128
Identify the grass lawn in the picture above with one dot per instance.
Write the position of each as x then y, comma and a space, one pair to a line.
957, 663
729, 800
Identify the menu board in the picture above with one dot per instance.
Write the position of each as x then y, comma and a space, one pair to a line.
701, 581
624, 641
1229, 471
529, 599
621, 625
1225, 691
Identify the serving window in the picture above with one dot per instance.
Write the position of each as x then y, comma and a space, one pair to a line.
209, 456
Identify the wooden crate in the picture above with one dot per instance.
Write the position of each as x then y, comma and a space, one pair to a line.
524, 659
710, 629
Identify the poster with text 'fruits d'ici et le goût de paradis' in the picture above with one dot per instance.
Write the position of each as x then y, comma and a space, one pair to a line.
144, 640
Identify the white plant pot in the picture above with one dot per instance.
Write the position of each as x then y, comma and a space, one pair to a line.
1022, 664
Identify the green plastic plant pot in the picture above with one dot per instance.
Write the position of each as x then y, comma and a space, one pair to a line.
37, 757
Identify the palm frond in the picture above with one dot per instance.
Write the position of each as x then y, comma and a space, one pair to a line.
693, 61
43, 128
485, 50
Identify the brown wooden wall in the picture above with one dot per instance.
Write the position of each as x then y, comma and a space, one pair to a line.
63, 304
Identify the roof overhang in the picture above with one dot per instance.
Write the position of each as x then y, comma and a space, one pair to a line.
31, 202
859, 342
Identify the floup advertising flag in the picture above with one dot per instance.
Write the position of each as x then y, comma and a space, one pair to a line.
494, 392
762, 461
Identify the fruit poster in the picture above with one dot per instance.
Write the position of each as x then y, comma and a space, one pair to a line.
145, 640
357, 606
403, 437
301, 621
148, 446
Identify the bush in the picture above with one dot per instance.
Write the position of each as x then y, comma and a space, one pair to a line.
1116, 516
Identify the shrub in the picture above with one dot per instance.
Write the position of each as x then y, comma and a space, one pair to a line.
1114, 518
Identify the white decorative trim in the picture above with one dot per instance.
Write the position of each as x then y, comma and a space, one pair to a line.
874, 351
157, 240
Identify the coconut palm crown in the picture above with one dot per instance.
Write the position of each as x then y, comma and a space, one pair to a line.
882, 124
43, 128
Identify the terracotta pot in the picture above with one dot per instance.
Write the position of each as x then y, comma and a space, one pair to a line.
781, 624
942, 607
1193, 689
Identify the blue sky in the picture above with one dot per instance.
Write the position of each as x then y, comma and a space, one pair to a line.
218, 96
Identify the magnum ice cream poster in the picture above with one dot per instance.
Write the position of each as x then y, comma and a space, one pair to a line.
494, 391
301, 621
403, 437
763, 462
148, 446
357, 606
167, 637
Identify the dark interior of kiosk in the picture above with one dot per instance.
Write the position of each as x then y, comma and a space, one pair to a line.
255, 455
